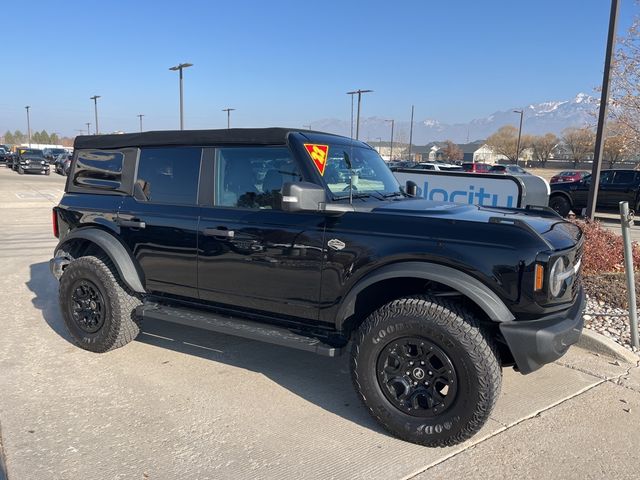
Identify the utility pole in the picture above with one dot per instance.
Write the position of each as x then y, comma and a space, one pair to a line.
411, 132
359, 92
95, 105
88, 124
602, 114
28, 125
228, 110
391, 147
521, 112
351, 125
179, 68
140, 115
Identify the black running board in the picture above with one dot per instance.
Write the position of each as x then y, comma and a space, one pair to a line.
239, 327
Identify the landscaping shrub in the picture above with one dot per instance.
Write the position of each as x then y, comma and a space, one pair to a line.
603, 250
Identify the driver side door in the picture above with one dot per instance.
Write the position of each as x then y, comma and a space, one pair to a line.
253, 256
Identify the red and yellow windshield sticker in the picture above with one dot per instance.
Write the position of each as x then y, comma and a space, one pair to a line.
318, 154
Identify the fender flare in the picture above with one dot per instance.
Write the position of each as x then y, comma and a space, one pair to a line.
470, 287
114, 250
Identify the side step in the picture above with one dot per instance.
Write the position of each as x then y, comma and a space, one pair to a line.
236, 326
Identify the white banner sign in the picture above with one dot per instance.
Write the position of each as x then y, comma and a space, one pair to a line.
484, 190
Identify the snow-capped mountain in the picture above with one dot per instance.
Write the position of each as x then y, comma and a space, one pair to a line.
540, 118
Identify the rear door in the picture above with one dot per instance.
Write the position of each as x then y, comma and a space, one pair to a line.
252, 255
160, 222
622, 189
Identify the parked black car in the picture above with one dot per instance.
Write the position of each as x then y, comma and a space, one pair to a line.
62, 163
31, 160
242, 232
51, 154
615, 186
6, 157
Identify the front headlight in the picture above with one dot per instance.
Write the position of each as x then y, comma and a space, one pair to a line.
43, 162
560, 274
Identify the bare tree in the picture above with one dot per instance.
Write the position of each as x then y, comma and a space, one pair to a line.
578, 143
451, 151
543, 147
625, 87
505, 142
616, 144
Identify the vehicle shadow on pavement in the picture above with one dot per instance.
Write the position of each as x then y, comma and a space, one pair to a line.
46, 290
323, 381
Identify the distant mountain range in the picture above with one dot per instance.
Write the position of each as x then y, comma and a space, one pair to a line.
553, 116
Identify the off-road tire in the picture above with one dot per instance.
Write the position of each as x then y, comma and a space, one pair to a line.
560, 204
121, 325
457, 333
20, 171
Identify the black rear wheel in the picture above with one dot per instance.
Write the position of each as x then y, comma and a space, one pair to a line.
98, 310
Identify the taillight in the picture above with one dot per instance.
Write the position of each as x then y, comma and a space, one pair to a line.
54, 222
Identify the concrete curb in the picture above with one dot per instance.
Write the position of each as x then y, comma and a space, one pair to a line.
594, 342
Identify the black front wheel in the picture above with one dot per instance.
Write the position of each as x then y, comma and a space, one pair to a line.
426, 371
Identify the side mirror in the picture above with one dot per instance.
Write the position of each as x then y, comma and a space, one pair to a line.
303, 197
411, 188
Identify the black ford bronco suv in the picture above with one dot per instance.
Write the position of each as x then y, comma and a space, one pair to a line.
305, 239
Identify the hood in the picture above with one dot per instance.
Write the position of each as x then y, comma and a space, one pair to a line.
556, 232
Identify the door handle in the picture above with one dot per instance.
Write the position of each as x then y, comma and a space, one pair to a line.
131, 223
219, 232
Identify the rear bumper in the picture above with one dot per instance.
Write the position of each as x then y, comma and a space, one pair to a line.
534, 343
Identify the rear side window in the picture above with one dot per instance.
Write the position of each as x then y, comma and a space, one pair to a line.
168, 175
99, 169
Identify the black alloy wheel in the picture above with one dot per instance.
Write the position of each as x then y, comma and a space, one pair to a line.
87, 306
417, 377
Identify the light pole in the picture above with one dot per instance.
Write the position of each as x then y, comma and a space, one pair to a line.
28, 125
140, 115
359, 92
95, 105
379, 145
411, 133
602, 113
391, 147
228, 110
521, 112
88, 124
179, 68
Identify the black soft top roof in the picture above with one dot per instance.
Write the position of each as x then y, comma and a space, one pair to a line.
232, 136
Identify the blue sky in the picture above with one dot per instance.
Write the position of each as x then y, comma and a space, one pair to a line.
290, 63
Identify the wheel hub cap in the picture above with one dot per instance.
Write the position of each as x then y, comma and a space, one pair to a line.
417, 376
87, 306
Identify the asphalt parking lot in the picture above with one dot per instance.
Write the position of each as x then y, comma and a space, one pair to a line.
181, 403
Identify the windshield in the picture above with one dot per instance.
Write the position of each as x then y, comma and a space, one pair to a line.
32, 153
368, 172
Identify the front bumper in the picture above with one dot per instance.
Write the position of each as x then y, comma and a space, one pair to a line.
35, 168
534, 343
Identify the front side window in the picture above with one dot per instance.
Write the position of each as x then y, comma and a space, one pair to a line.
359, 168
252, 177
624, 177
168, 175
